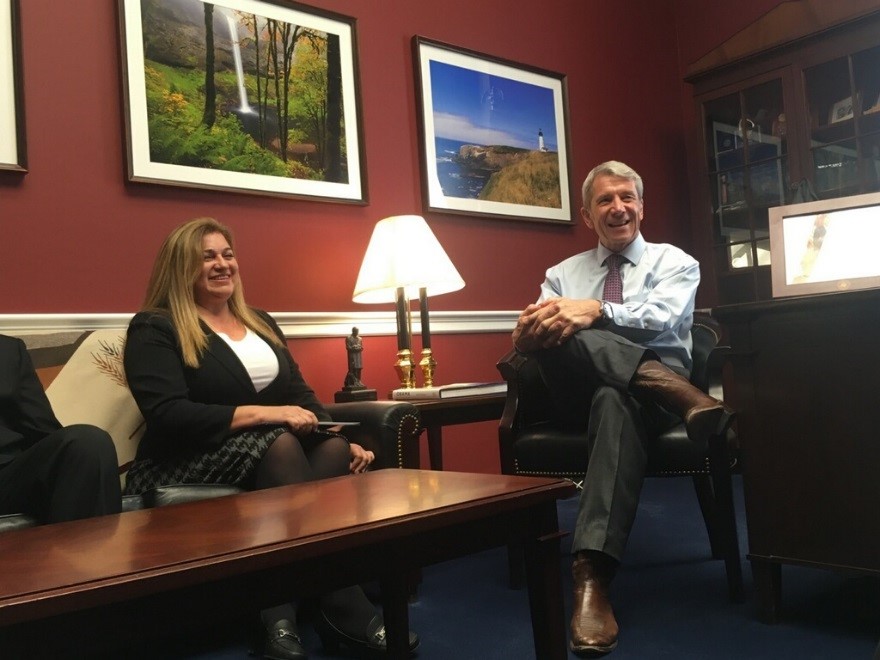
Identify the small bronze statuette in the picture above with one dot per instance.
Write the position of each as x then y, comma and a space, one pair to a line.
353, 388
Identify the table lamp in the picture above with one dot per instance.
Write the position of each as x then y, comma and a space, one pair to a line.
404, 260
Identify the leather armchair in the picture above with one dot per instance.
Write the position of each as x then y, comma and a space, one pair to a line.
530, 444
385, 429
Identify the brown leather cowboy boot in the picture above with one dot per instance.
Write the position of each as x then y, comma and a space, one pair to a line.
593, 626
703, 415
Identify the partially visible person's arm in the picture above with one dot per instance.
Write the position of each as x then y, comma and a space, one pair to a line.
553, 321
659, 293
28, 409
298, 419
667, 296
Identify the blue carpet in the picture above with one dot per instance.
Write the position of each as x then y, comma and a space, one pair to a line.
670, 599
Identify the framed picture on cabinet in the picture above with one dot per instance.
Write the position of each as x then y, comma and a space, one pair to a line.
841, 110
825, 246
249, 96
12, 137
493, 135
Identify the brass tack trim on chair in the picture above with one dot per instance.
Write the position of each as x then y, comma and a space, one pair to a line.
406, 429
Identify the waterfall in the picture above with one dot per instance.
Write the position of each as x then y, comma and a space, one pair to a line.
244, 106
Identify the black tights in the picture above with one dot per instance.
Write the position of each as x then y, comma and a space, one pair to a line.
290, 460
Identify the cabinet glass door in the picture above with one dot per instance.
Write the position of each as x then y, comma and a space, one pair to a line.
843, 97
747, 158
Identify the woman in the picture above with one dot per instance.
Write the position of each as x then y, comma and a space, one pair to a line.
224, 402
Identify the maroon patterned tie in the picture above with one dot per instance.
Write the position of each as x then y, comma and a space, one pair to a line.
613, 291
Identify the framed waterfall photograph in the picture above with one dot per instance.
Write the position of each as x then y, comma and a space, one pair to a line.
12, 142
493, 135
248, 96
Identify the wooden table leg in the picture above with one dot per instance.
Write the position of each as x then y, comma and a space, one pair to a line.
395, 610
435, 447
545, 596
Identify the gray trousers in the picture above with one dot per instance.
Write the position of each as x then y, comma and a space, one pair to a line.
589, 377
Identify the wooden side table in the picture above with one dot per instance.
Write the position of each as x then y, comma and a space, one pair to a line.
437, 413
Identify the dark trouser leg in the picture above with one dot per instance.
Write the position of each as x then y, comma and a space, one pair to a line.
618, 454
72, 473
577, 368
588, 377
597, 355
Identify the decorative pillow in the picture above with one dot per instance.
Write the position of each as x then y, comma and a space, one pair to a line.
90, 388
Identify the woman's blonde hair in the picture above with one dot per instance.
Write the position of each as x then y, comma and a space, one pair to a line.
177, 268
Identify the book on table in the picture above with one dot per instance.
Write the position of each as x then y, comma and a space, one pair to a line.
450, 391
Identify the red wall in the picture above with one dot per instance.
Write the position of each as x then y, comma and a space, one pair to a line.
78, 238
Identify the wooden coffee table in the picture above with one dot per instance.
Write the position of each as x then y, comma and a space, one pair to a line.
103, 583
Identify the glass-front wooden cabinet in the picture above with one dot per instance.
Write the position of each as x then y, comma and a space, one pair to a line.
777, 128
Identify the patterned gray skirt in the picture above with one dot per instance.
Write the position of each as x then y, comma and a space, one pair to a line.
233, 463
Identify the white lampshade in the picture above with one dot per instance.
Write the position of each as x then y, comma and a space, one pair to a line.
403, 252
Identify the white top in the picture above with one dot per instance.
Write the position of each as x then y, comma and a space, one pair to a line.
257, 357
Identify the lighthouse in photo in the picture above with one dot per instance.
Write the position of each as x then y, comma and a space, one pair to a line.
541, 146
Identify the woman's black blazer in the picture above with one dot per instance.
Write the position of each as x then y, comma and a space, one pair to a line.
190, 409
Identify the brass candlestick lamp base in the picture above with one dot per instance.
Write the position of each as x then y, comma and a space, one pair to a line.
428, 365
405, 368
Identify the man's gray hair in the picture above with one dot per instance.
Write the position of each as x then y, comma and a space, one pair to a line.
610, 168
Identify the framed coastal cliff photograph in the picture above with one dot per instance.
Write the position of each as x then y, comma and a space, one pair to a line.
493, 135
12, 142
248, 96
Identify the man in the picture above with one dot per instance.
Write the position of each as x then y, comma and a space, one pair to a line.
47, 471
615, 353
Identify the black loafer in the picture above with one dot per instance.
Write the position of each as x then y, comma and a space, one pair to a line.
282, 643
372, 639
